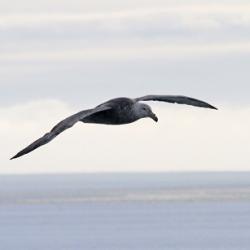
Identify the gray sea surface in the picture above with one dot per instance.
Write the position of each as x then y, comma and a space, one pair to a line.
153, 211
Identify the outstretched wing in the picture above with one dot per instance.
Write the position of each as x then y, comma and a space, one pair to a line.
59, 128
176, 99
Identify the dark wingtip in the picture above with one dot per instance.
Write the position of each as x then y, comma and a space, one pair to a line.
212, 107
12, 158
215, 108
16, 156
207, 105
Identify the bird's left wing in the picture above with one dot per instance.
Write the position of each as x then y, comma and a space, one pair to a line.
60, 127
176, 99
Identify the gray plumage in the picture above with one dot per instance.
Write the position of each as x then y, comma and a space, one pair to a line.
113, 112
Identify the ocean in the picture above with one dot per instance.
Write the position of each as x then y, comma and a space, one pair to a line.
125, 211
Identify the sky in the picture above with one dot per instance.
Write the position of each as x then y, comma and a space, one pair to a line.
60, 57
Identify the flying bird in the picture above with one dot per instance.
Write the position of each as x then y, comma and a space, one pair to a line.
116, 111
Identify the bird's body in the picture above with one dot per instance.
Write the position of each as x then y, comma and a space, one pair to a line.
121, 113
116, 111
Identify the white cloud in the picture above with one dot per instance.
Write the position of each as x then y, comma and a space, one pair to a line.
185, 138
145, 51
191, 15
91, 50
169, 30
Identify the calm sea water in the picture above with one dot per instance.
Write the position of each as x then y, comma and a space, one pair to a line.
195, 211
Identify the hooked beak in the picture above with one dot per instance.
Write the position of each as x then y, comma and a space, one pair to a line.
154, 117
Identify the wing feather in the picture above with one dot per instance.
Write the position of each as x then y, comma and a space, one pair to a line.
59, 128
176, 99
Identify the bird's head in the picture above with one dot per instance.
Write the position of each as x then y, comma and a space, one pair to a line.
143, 111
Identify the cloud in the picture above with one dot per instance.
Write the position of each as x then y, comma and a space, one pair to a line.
142, 32
159, 51
218, 78
133, 13
163, 22
83, 52
185, 138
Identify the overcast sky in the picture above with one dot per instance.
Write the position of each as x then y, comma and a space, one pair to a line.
59, 57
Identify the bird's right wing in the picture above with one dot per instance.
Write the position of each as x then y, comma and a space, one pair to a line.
60, 127
176, 99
